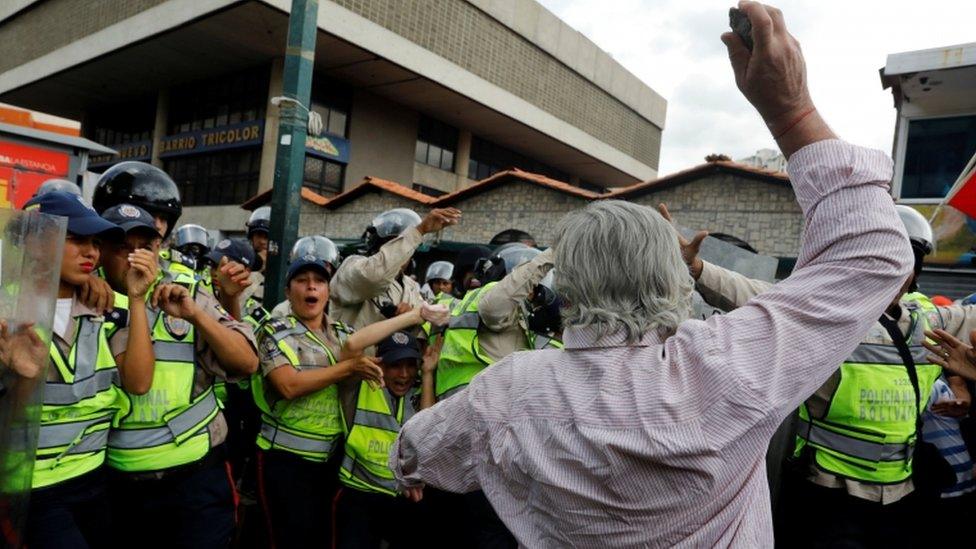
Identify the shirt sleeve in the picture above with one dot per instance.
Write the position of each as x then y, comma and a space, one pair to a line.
727, 289
499, 306
208, 359
270, 355
119, 341
436, 446
958, 320
361, 278
780, 346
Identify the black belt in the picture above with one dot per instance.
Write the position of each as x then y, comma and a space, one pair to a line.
215, 457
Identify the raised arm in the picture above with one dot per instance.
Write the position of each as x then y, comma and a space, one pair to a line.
727, 289
784, 343
361, 278
376, 332
499, 306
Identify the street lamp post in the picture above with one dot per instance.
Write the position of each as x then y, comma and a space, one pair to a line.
290, 157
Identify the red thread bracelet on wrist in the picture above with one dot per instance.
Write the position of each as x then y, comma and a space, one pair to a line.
796, 121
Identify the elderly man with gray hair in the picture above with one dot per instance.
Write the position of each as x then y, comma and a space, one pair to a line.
650, 429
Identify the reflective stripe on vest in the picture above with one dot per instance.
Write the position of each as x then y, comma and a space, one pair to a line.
64, 394
364, 475
859, 448
297, 442
465, 320
173, 351
189, 421
76, 435
871, 353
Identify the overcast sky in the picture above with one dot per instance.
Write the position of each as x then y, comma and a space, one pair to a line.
674, 47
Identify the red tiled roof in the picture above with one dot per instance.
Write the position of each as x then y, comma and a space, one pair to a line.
684, 176
262, 199
519, 175
376, 184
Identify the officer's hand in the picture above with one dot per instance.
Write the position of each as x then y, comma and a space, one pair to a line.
403, 307
957, 407
414, 493
97, 295
175, 300
951, 353
22, 352
689, 248
143, 268
438, 218
232, 277
367, 369
432, 356
773, 78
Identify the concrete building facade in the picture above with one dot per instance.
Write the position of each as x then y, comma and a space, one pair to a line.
436, 94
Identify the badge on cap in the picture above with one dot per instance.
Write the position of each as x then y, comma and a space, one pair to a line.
309, 257
224, 244
131, 212
401, 338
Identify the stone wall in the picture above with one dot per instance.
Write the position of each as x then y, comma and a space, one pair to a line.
764, 215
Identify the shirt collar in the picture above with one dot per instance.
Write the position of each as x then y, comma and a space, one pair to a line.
80, 309
575, 337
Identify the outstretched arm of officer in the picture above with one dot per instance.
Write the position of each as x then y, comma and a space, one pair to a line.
231, 278
720, 287
361, 278
137, 363
233, 350
499, 307
951, 353
372, 334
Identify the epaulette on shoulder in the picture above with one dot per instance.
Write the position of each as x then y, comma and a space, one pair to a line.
118, 316
276, 325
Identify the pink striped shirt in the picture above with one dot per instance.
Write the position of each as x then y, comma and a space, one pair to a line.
662, 443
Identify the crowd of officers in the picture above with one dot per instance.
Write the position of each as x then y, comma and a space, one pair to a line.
173, 388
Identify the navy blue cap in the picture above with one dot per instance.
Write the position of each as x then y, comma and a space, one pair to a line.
234, 249
397, 347
130, 216
82, 219
308, 261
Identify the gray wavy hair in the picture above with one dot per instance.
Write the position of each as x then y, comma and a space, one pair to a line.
620, 268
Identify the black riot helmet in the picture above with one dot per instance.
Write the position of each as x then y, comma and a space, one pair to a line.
143, 185
58, 185
387, 226
260, 221
544, 307
503, 261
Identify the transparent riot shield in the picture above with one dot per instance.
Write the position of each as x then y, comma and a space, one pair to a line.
30, 263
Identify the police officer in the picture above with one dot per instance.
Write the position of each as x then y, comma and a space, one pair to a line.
491, 321
193, 243
438, 279
853, 462
234, 260
297, 393
368, 509
258, 228
170, 486
307, 245
83, 394
368, 289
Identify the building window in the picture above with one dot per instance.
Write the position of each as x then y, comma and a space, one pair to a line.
128, 122
224, 177
222, 101
332, 101
429, 191
436, 144
487, 159
937, 151
323, 176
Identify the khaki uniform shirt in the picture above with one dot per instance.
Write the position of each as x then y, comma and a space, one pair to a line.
210, 368
255, 290
728, 290
362, 284
309, 352
502, 308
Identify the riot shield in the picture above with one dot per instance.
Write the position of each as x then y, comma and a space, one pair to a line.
31, 244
